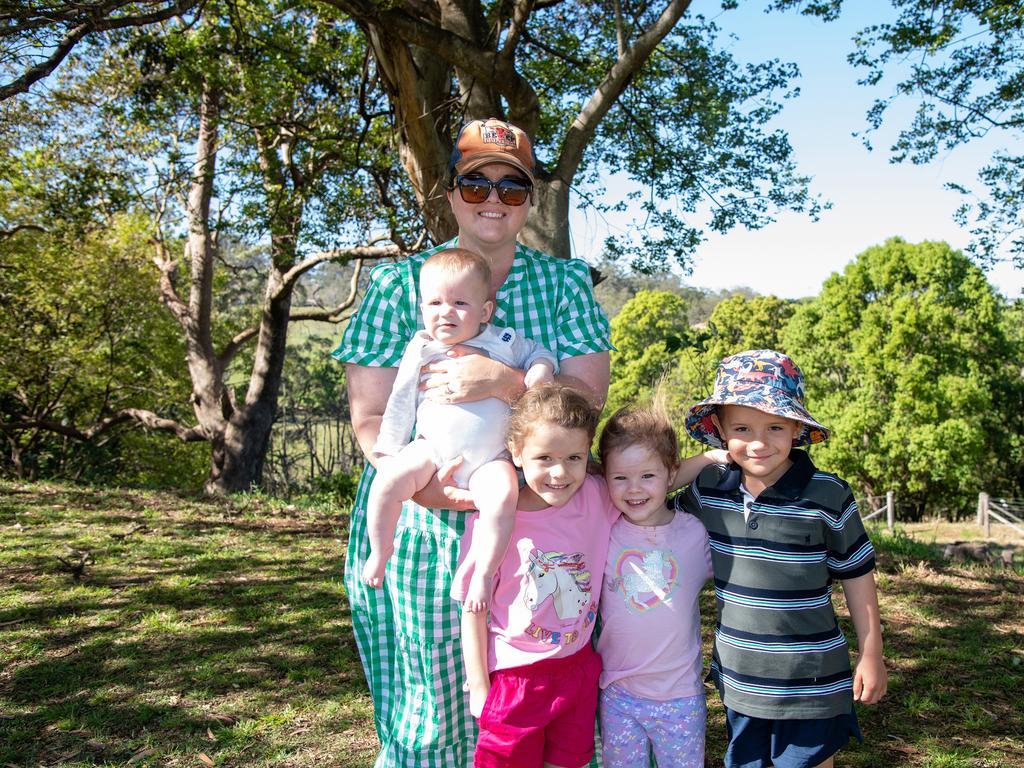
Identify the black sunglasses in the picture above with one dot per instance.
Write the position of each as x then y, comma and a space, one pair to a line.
476, 189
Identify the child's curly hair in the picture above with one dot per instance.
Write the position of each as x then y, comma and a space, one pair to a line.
552, 404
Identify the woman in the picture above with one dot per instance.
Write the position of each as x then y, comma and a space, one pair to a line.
408, 632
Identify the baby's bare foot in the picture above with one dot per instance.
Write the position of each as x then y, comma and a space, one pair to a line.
478, 593
373, 570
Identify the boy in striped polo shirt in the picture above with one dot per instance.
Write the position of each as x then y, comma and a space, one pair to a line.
780, 532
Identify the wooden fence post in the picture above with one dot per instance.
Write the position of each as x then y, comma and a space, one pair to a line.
986, 524
890, 509
980, 495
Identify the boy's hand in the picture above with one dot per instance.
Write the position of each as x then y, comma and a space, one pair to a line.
870, 679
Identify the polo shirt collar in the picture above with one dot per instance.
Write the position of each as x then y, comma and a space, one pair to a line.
791, 485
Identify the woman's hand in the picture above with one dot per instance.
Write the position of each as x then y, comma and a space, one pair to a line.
467, 376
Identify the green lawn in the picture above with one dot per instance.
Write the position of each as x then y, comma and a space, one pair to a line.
217, 633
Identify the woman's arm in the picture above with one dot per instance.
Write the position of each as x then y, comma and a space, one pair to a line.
368, 391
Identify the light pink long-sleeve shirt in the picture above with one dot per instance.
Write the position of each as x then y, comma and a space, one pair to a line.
650, 616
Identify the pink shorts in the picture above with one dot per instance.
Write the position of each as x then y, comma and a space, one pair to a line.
539, 713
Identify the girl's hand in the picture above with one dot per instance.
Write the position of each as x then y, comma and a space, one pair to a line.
718, 456
477, 698
467, 376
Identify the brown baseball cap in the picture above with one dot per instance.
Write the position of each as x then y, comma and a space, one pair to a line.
492, 141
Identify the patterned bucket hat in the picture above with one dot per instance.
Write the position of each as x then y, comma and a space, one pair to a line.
758, 378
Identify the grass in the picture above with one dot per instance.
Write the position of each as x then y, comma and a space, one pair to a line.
217, 634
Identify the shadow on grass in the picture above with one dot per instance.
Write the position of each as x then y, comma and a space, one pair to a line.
206, 631
954, 648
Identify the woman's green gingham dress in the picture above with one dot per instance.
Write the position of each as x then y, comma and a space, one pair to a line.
408, 631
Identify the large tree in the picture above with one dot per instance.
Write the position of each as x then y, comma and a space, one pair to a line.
962, 62
904, 354
287, 150
618, 89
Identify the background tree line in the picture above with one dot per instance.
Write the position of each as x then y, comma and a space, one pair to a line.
232, 164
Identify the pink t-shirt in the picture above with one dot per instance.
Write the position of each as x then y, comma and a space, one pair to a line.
650, 615
547, 587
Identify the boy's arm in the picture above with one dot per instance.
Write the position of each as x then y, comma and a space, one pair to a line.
870, 678
692, 466
474, 656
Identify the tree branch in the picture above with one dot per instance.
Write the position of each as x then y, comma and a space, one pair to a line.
482, 64
326, 314
143, 417
358, 253
6, 233
90, 23
583, 127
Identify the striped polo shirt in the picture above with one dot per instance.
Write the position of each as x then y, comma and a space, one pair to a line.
779, 652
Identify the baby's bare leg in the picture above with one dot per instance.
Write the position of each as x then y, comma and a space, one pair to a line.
495, 490
398, 478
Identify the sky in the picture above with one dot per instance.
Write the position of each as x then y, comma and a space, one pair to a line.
872, 199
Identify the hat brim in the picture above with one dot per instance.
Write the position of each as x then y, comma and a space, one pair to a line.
480, 159
701, 428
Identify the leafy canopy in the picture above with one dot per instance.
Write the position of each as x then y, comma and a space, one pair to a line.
963, 62
903, 353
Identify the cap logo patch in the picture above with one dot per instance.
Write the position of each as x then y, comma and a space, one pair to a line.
501, 135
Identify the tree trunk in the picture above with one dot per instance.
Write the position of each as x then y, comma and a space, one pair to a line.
547, 228
247, 433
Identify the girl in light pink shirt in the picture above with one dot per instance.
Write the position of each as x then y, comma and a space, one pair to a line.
651, 690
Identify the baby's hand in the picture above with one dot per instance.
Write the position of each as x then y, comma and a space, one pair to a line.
541, 372
446, 477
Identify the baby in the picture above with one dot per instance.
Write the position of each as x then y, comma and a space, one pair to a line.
455, 290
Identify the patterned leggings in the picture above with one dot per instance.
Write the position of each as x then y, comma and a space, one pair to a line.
631, 725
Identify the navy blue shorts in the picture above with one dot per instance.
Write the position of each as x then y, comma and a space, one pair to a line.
757, 743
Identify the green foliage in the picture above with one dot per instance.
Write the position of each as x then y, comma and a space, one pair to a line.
903, 354
739, 323
691, 132
80, 338
648, 335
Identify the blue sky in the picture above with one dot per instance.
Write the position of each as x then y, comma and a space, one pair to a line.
872, 199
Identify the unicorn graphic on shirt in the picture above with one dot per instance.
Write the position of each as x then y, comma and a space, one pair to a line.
562, 577
649, 573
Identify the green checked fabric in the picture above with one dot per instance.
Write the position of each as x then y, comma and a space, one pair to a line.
408, 631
